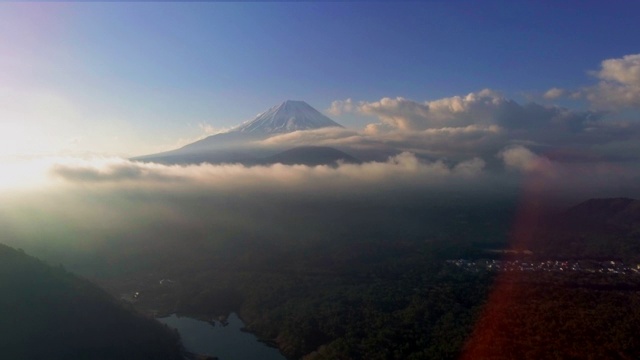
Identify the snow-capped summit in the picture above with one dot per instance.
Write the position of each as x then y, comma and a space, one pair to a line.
289, 116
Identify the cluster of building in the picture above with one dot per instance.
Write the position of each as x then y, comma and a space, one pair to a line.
586, 266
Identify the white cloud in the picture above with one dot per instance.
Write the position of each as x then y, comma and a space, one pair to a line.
398, 113
331, 136
485, 108
619, 85
450, 142
457, 111
470, 168
521, 158
398, 171
340, 107
555, 93
404, 173
475, 125
208, 129
614, 96
625, 70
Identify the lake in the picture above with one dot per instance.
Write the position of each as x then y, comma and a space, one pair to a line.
225, 342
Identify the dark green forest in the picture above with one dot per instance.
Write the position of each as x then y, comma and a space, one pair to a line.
416, 306
382, 299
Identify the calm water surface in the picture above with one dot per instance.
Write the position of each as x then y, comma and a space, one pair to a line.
225, 342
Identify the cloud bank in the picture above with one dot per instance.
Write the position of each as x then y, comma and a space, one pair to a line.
91, 208
483, 123
398, 172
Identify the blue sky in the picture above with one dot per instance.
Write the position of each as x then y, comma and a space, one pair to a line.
133, 78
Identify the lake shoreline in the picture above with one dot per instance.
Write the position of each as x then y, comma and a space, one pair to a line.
223, 338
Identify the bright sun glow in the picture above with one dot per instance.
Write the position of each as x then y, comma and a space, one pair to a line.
19, 167
19, 173
12, 138
21, 139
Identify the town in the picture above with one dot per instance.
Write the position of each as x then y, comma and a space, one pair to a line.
584, 266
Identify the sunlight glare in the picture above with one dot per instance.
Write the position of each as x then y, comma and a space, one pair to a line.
13, 139
22, 173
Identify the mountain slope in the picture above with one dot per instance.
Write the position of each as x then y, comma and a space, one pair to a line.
596, 228
310, 156
48, 313
604, 214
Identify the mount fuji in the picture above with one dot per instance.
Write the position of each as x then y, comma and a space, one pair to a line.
239, 145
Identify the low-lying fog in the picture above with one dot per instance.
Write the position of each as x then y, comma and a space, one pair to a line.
98, 214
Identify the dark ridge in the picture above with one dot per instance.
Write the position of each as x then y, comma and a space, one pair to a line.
48, 313
603, 214
594, 229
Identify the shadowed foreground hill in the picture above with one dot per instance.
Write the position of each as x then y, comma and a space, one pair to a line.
48, 313
604, 215
596, 228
